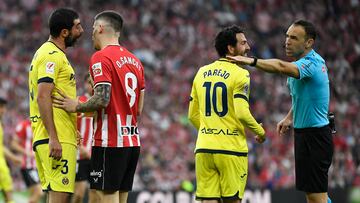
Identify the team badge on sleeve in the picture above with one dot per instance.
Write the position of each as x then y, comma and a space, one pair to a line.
246, 89
97, 69
50, 67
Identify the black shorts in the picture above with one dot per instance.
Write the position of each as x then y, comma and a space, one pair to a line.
30, 176
83, 170
314, 150
113, 169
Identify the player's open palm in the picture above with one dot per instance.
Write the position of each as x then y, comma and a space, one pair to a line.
64, 102
238, 59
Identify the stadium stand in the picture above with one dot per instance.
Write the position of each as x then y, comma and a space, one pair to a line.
173, 38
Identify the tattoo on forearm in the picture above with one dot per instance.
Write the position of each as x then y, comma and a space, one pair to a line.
99, 100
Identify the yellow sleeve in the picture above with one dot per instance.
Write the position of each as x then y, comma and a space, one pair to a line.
49, 66
194, 112
241, 106
244, 115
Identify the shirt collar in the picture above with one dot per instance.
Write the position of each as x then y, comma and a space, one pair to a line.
311, 53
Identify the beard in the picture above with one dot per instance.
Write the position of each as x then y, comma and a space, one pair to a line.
70, 40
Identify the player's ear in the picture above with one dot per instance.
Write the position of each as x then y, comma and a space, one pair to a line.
101, 28
231, 49
309, 43
64, 33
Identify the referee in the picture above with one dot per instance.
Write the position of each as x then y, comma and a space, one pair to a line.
308, 83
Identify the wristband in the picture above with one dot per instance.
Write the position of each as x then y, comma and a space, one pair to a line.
254, 62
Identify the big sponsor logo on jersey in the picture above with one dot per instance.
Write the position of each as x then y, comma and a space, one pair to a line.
129, 130
215, 131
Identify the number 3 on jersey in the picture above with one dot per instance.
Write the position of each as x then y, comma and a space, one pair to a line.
130, 90
211, 98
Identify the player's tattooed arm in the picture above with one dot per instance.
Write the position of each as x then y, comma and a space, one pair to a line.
100, 99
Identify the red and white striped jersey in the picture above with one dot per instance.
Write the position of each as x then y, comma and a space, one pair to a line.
24, 132
116, 125
85, 127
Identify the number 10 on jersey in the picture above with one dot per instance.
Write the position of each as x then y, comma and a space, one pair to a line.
211, 98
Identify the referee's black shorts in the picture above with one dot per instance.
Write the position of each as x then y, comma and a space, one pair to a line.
314, 150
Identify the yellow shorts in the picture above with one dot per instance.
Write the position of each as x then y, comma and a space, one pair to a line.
5, 177
220, 176
56, 175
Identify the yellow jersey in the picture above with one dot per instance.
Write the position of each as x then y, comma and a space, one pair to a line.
1, 141
219, 108
50, 65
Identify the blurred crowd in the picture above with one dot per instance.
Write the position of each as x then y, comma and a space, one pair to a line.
173, 38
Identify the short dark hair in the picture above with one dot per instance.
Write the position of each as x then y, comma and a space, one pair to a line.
309, 28
3, 101
113, 18
225, 37
62, 18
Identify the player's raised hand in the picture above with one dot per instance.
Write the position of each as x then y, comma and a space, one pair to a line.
64, 102
242, 60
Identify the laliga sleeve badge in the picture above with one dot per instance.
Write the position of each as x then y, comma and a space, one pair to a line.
97, 69
50, 67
